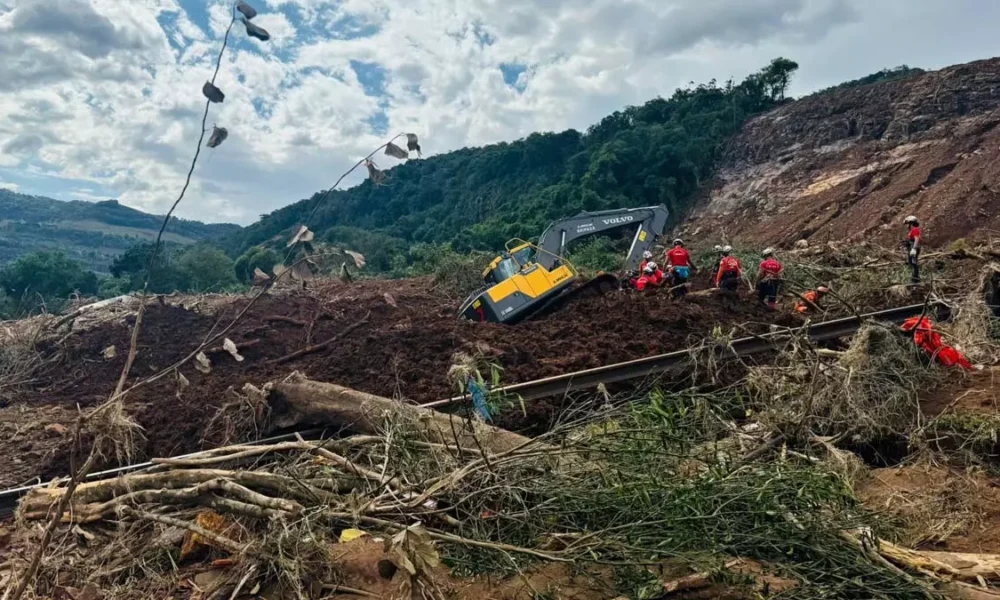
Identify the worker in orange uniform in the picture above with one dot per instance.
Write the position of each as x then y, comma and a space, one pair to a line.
811, 300
930, 340
727, 278
769, 279
680, 267
913, 246
651, 276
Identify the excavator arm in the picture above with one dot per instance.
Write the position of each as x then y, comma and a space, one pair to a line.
650, 222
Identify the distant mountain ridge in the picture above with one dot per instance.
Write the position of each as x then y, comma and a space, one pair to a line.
93, 233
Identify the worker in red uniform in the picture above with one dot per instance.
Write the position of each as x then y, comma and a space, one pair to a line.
924, 336
811, 300
727, 278
913, 246
680, 267
646, 257
651, 276
769, 279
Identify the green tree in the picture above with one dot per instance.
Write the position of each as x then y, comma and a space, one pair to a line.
165, 276
206, 269
45, 278
257, 257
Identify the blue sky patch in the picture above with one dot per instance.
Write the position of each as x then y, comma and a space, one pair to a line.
371, 76
511, 74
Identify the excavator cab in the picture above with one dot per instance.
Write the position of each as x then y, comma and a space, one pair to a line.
527, 278
515, 284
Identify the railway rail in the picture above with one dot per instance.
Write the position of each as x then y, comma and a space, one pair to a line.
590, 378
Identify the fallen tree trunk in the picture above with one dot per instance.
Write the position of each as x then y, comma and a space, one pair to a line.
299, 401
954, 565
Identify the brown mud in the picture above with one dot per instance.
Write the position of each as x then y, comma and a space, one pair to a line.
400, 351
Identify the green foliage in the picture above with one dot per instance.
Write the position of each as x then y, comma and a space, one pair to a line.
598, 254
661, 152
458, 274
166, 276
207, 269
255, 258
44, 280
198, 268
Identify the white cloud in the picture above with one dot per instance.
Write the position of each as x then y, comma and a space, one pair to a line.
103, 96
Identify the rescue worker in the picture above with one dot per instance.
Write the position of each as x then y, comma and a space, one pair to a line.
924, 336
811, 300
646, 257
727, 278
769, 279
680, 267
651, 275
913, 247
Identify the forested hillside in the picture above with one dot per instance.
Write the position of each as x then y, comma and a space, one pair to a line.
92, 233
661, 152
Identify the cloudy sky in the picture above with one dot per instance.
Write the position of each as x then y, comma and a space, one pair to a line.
101, 98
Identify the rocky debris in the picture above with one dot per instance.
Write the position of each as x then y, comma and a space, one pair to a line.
850, 164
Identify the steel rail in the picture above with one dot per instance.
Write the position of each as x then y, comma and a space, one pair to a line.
653, 365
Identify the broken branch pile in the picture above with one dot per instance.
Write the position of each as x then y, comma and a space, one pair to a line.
631, 486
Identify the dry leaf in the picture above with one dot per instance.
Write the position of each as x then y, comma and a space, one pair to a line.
412, 143
254, 31
260, 277
247, 10
209, 520
279, 269
359, 259
202, 363
213, 93
182, 383
231, 348
303, 235
396, 152
345, 275
390, 300
413, 550
219, 135
110, 352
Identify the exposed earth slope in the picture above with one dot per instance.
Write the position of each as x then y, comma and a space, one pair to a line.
852, 163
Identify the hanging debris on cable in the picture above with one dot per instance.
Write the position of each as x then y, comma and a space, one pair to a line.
374, 173
219, 135
213, 93
396, 152
412, 143
258, 32
248, 11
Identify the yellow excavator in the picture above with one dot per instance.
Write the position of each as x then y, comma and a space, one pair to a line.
528, 278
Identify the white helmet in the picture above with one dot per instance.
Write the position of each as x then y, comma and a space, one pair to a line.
647, 255
650, 267
910, 219
678, 242
727, 249
767, 252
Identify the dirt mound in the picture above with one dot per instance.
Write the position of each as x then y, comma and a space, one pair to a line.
851, 164
403, 349
937, 507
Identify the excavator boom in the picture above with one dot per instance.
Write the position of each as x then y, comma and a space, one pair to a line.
529, 278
